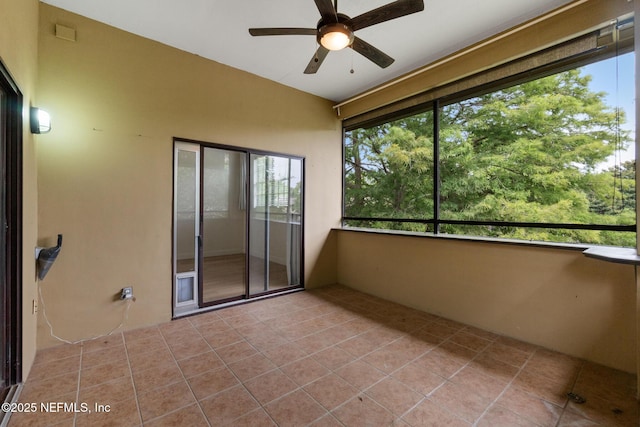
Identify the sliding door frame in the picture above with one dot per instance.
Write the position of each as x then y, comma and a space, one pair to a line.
11, 159
201, 302
248, 152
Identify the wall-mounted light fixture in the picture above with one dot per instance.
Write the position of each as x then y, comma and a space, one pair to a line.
40, 121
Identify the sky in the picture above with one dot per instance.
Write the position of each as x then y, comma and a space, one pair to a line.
620, 92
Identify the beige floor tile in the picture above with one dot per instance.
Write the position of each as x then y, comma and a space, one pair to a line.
205, 318
122, 414
113, 354
161, 401
223, 338
507, 354
552, 390
257, 418
285, 354
228, 405
146, 345
141, 333
199, 364
419, 378
251, 367
604, 412
428, 414
331, 391
185, 350
327, 421
108, 393
333, 357
470, 341
149, 379
530, 407
234, 352
461, 401
478, 383
103, 373
360, 374
295, 409
212, 382
100, 344
56, 353
189, 416
395, 355
304, 371
359, 346
362, 411
493, 367
569, 419
155, 359
317, 342
500, 416
554, 365
53, 368
270, 386
605, 383
394, 395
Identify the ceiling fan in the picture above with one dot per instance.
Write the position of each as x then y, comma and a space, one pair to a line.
335, 31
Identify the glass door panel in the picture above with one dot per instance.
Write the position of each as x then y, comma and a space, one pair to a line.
275, 223
223, 225
186, 226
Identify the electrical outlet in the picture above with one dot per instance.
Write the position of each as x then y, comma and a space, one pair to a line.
34, 307
127, 293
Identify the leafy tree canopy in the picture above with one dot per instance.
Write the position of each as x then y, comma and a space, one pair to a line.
528, 153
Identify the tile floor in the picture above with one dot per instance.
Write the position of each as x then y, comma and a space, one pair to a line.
328, 357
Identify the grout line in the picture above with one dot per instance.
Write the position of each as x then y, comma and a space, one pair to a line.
506, 387
75, 415
183, 376
133, 383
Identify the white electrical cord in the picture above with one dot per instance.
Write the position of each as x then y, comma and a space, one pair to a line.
125, 317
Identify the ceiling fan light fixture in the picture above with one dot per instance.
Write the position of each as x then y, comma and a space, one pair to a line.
335, 36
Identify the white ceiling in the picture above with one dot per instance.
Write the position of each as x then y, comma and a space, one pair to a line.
218, 30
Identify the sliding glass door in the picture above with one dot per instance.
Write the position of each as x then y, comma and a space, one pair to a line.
275, 223
237, 224
224, 223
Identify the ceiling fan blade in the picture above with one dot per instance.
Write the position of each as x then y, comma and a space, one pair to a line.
316, 61
283, 31
386, 13
327, 11
373, 54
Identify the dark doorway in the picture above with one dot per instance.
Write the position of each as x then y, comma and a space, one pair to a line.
10, 233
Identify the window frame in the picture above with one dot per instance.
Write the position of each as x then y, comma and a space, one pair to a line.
438, 97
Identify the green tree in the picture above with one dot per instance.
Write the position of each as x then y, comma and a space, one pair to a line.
527, 153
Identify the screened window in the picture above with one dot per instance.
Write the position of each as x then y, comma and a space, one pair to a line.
544, 158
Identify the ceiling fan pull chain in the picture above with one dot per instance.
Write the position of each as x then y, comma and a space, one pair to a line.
351, 70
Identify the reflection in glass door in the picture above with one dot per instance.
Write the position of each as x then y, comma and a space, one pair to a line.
223, 225
275, 223
237, 225
186, 227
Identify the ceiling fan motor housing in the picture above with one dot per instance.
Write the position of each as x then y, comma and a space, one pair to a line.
340, 29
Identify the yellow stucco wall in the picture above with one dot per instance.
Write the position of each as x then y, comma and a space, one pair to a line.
105, 170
